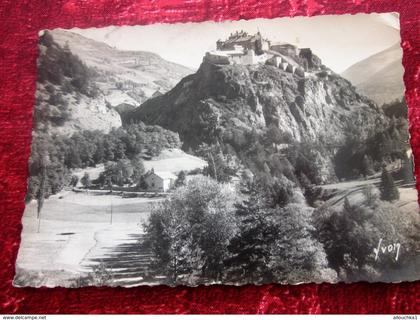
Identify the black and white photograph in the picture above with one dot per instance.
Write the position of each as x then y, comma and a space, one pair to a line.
237, 152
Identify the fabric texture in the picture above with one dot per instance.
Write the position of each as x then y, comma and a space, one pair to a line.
20, 21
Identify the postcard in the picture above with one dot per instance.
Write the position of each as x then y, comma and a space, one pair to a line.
237, 152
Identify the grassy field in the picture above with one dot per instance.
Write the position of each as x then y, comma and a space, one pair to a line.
78, 230
73, 228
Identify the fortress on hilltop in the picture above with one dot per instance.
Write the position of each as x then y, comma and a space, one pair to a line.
247, 49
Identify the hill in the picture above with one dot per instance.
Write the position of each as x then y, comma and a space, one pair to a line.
128, 77
380, 76
67, 97
264, 116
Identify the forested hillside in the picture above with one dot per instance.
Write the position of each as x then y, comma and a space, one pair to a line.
68, 98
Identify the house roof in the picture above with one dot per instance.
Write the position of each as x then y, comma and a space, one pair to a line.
165, 175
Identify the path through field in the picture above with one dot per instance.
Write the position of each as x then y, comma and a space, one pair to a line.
77, 232
123, 255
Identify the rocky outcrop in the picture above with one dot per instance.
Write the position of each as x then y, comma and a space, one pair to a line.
85, 113
225, 103
219, 99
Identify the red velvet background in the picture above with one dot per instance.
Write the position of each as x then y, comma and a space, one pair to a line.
20, 21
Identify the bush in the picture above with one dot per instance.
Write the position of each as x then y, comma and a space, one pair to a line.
85, 180
189, 232
389, 192
350, 236
296, 255
275, 243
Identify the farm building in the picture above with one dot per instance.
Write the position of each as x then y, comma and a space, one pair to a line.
160, 181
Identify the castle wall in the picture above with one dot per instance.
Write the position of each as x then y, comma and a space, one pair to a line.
216, 59
286, 49
275, 61
249, 57
249, 50
265, 45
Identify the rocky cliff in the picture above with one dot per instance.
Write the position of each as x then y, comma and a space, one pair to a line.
223, 103
223, 98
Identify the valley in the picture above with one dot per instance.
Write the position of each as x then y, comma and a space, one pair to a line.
146, 172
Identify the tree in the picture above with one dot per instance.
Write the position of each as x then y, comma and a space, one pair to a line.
296, 255
350, 236
312, 193
117, 173
142, 185
251, 247
180, 181
346, 237
86, 180
73, 158
389, 192
138, 169
189, 233
74, 180
279, 192
370, 196
367, 166
407, 170
220, 167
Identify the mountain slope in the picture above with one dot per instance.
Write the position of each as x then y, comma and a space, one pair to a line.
128, 77
67, 98
380, 76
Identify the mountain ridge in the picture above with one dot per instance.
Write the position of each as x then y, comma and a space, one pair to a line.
86, 85
139, 73
380, 76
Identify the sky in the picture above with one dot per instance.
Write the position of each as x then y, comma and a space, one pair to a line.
340, 41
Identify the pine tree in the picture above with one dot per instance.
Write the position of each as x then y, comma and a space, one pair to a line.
180, 181
370, 196
367, 166
142, 185
86, 180
389, 191
407, 170
138, 169
251, 246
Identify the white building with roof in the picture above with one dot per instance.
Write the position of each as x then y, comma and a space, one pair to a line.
160, 181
